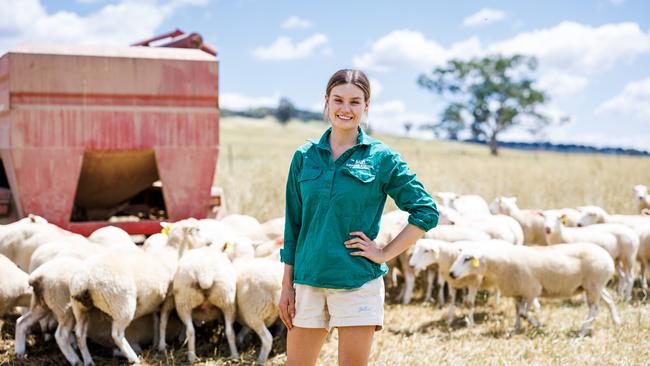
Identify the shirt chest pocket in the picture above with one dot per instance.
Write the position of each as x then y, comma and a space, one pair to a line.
356, 185
309, 183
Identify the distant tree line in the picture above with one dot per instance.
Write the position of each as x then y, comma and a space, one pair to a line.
284, 112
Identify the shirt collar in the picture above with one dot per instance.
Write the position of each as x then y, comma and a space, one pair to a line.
362, 139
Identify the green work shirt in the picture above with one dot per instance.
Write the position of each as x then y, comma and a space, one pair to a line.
326, 200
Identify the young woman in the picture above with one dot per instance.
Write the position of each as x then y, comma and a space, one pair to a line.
336, 191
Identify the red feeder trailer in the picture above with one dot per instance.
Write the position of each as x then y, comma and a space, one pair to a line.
85, 131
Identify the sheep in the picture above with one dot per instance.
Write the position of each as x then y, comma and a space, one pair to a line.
216, 232
450, 233
596, 215
111, 236
622, 251
643, 199
204, 284
628, 242
466, 205
128, 288
274, 228
391, 225
19, 242
243, 225
531, 222
643, 255
269, 247
51, 294
525, 273
427, 252
500, 227
259, 283
14, 287
108, 239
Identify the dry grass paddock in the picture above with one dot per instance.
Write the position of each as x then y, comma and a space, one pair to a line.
252, 169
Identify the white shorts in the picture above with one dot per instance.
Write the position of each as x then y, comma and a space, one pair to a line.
330, 308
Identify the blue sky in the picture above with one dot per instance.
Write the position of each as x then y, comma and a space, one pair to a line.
594, 55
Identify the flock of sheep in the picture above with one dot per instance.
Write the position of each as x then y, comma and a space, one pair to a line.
107, 288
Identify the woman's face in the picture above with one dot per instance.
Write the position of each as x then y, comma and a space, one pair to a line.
346, 105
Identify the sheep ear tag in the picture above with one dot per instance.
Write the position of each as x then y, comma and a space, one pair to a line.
475, 263
229, 247
564, 220
165, 230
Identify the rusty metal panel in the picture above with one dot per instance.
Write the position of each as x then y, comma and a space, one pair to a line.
63, 101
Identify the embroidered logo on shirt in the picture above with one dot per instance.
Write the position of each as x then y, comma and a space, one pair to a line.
364, 309
358, 164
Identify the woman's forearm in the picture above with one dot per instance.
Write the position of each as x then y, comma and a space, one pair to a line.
287, 280
405, 239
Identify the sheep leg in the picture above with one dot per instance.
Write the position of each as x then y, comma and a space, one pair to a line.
534, 322
23, 323
452, 304
430, 277
441, 291
165, 311
185, 315
607, 298
266, 338
470, 300
409, 279
62, 336
497, 297
81, 332
518, 312
156, 328
586, 325
117, 333
243, 332
229, 319
643, 277
628, 268
2, 323
44, 324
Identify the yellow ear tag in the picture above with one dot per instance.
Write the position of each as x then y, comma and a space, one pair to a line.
165, 230
229, 247
475, 262
564, 220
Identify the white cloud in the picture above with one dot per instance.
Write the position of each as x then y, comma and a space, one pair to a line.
633, 100
122, 23
561, 84
568, 46
375, 88
296, 22
240, 102
391, 115
284, 49
411, 48
483, 17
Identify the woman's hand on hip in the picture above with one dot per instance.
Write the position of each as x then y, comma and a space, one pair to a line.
287, 305
367, 248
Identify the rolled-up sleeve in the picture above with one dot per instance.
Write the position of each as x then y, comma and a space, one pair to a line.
293, 211
410, 196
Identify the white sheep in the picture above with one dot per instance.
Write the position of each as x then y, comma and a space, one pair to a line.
135, 285
642, 197
111, 236
499, 227
622, 250
628, 243
51, 295
274, 228
243, 225
259, 283
531, 222
14, 287
427, 252
204, 287
597, 215
643, 255
466, 205
526, 273
269, 247
22, 239
391, 225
